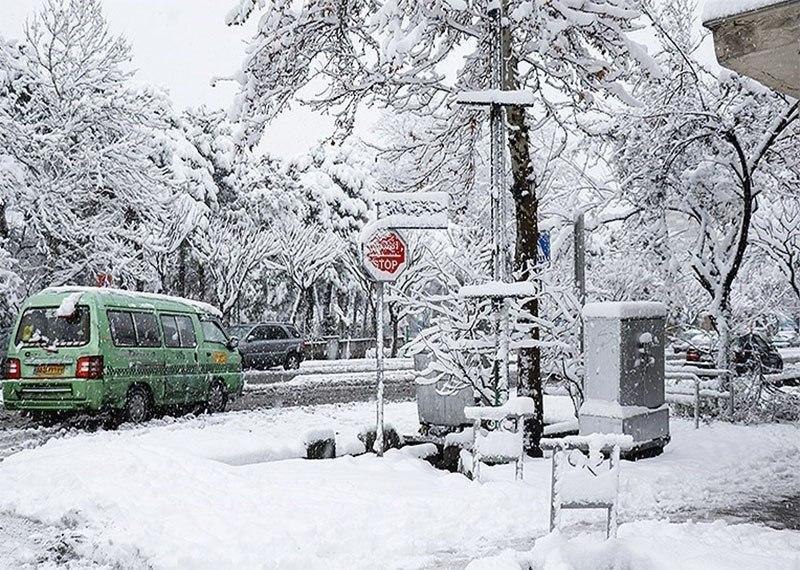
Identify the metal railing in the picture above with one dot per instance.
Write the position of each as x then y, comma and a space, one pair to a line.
689, 385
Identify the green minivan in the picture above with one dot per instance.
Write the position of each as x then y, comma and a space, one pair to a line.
89, 349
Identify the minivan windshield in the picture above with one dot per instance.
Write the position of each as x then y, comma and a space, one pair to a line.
40, 325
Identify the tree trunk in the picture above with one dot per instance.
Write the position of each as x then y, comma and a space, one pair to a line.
181, 284
526, 205
529, 377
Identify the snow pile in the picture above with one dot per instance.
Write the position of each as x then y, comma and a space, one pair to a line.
609, 409
199, 305
67, 307
194, 494
516, 406
625, 310
499, 444
141, 503
718, 9
499, 289
658, 545
318, 434
497, 97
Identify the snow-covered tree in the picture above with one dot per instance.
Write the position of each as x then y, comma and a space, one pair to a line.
716, 146
392, 54
93, 197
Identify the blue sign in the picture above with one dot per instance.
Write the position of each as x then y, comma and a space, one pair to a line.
543, 254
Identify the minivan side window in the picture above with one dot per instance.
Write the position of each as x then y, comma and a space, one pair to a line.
171, 337
147, 333
123, 333
186, 330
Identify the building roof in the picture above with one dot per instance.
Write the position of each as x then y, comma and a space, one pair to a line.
719, 9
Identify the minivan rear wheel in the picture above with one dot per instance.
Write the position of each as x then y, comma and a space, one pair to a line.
292, 361
138, 406
217, 398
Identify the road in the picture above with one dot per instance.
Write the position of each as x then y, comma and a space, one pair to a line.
264, 390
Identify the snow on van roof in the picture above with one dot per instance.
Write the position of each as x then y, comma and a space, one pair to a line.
199, 305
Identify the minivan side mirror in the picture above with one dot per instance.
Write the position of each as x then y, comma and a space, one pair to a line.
233, 342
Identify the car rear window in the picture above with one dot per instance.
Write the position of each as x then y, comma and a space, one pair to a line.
40, 325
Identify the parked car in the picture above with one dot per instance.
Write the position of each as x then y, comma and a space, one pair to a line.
786, 339
747, 350
753, 348
264, 345
87, 349
681, 339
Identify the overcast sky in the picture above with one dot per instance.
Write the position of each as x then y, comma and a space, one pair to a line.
181, 45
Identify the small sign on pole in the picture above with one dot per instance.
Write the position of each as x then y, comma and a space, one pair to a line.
413, 210
543, 250
385, 256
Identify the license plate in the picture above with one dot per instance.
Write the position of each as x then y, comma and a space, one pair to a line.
48, 370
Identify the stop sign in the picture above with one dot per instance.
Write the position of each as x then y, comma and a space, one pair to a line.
384, 255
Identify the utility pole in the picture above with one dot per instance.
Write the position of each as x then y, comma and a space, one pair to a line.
500, 248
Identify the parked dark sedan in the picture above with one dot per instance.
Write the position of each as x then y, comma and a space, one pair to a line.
264, 345
748, 351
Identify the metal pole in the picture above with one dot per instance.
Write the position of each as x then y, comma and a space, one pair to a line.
498, 154
498, 206
579, 264
379, 361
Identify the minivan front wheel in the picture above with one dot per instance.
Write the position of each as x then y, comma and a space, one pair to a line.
217, 398
138, 406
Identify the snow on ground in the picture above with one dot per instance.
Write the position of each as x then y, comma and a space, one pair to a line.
225, 492
790, 355
659, 545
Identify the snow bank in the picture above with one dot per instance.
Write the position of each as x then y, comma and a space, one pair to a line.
718, 9
629, 310
190, 494
658, 545
180, 511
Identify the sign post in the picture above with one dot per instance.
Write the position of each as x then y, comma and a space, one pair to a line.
385, 255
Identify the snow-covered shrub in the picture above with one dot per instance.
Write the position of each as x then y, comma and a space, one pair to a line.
320, 444
757, 400
391, 439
